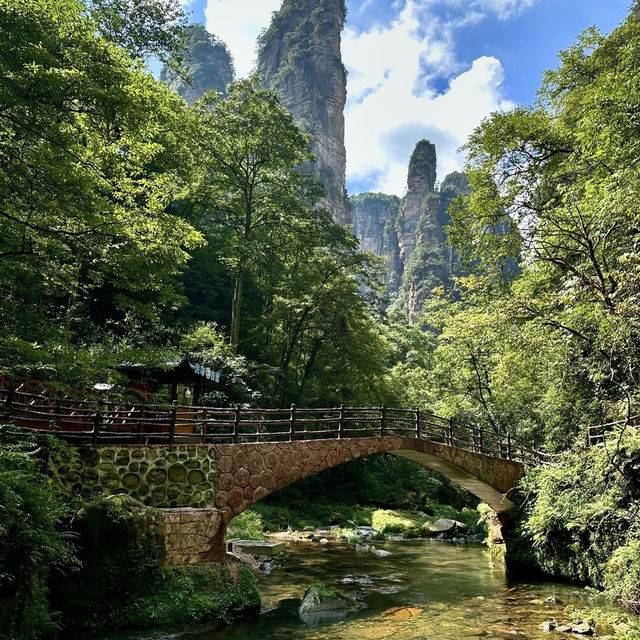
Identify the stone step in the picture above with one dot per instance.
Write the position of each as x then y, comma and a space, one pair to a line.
257, 547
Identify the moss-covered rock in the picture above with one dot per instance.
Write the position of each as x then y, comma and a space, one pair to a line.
408, 523
319, 598
195, 476
124, 584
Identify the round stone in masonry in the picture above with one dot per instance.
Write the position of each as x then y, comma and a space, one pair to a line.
255, 463
271, 459
195, 476
242, 477
240, 459
226, 482
268, 479
225, 464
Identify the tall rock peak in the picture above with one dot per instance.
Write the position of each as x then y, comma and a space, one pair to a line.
421, 180
422, 167
299, 57
208, 63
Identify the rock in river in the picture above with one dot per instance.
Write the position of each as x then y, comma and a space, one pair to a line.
319, 599
445, 526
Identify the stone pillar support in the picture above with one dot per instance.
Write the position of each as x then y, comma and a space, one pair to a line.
500, 525
194, 536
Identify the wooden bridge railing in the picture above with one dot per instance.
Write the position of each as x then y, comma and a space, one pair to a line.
95, 422
598, 433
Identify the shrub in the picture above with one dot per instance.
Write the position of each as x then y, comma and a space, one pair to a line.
405, 522
622, 576
192, 595
247, 526
32, 537
578, 516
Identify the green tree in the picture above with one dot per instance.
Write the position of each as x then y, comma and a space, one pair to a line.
143, 27
561, 178
92, 154
250, 148
32, 509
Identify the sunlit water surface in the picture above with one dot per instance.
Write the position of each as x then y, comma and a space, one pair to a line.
424, 590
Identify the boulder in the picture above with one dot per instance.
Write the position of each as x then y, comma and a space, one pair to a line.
583, 629
445, 526
319, 598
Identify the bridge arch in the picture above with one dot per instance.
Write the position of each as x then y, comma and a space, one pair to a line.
247, 473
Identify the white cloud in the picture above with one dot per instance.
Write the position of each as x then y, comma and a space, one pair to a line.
391, 107
503, 9
238, 23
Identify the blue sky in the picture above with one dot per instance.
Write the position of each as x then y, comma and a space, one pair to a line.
426, 68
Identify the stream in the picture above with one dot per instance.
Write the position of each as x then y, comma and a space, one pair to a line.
424, 590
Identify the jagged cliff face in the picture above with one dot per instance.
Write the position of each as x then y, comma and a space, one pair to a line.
299, 57
421, 179
414, 242
208, 64
374, 216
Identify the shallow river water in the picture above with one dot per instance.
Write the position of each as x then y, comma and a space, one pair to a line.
423, 590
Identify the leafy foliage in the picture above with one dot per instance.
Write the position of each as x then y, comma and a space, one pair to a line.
247, 526
32, 538
580, 516
91, 155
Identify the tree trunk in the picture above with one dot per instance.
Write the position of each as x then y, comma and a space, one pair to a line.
236, 307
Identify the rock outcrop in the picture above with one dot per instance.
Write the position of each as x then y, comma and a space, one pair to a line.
208, 63
374, 217
414, 241
299, 57
421, 179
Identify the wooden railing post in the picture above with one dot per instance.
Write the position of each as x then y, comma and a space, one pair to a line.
341, 422
508, 446
10, 396
383, 420
292, 422
236, 424
448, 433
56, 415
97, 423
480, 440
418, 423
172, 422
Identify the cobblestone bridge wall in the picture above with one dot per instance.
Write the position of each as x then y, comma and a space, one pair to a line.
165, 477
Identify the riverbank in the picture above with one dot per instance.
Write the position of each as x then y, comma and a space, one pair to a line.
262, 519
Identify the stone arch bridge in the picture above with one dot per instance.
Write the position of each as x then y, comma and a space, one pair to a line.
204, 465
